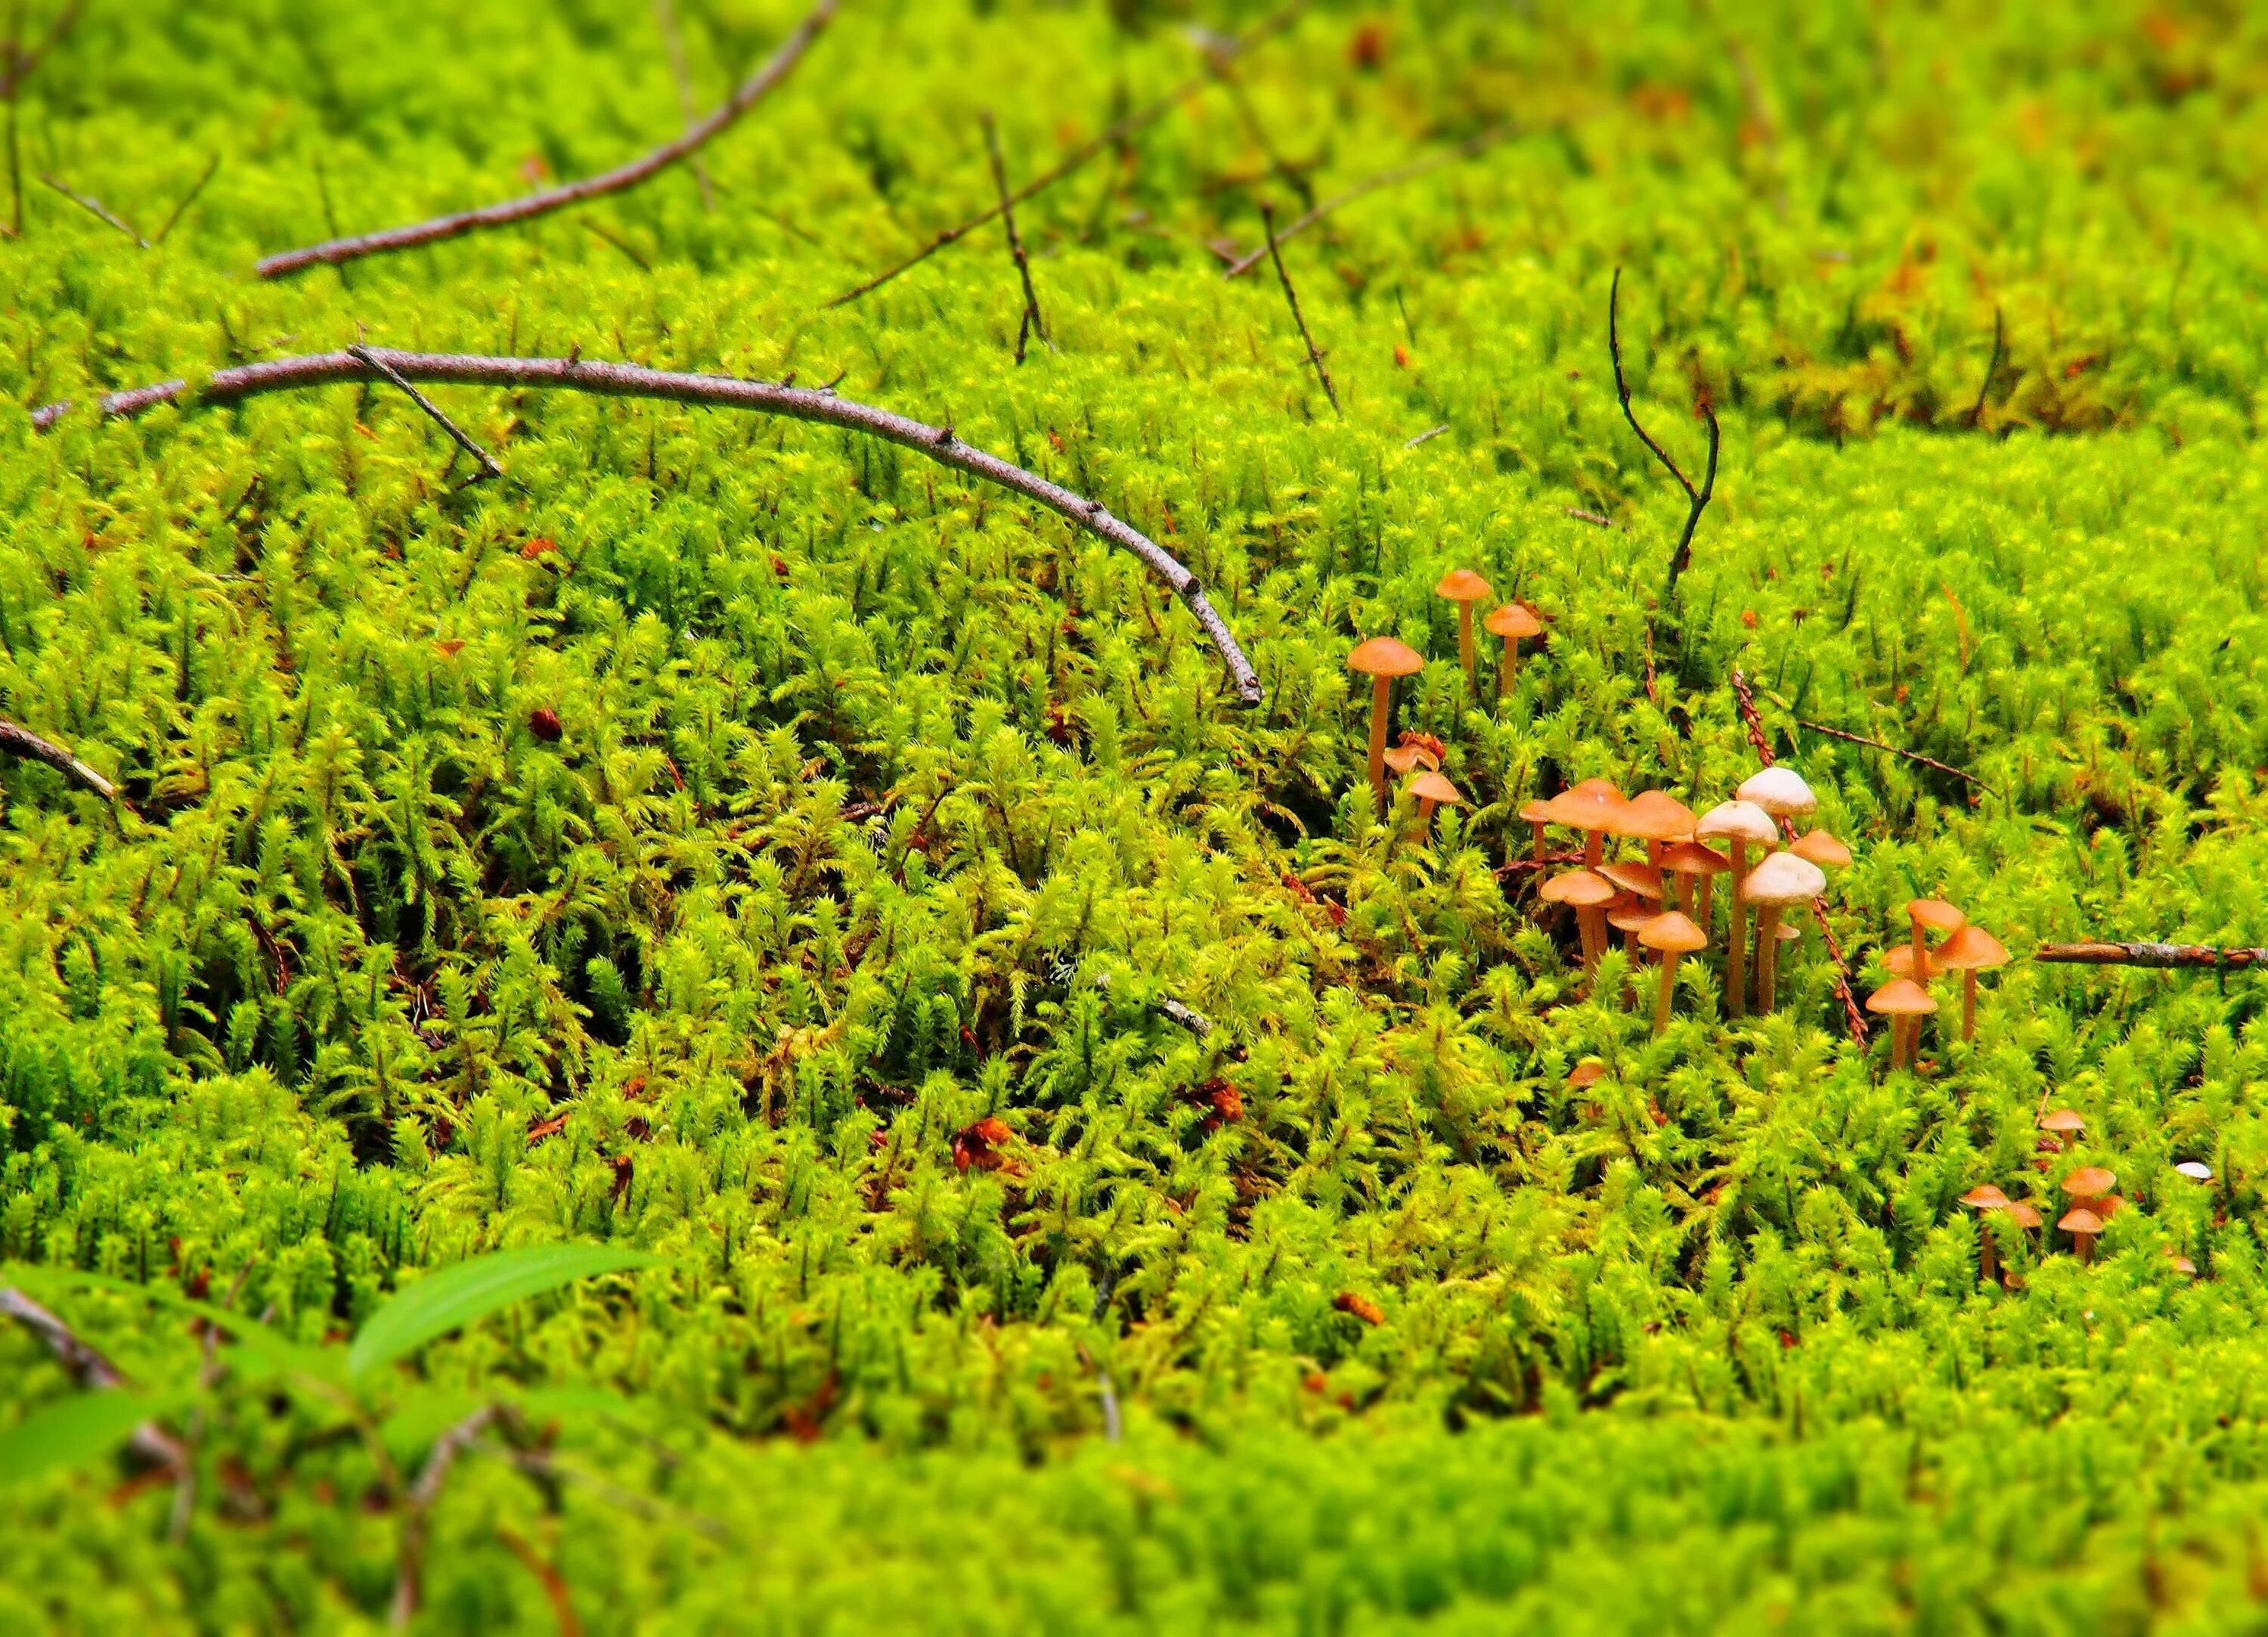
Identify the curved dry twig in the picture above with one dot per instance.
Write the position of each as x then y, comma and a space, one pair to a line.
621, 179
1699, 497
1369, 185
21, 741
629, 380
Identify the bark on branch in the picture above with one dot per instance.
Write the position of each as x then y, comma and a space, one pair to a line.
2163, 956
22, 742
626, 381
622, 178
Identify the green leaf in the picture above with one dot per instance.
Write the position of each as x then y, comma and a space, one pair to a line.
263, 1351
473, 1289
70, 1434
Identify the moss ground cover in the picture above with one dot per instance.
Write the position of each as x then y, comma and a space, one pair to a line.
757, 848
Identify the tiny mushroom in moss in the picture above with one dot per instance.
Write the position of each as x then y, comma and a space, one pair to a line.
2083, 1225
1587, 894
1780, 882
2181, 1264
2063, 1125
1628, 915
1463, 587
1689, 860
2089, 1185
1739, 825
2196, 1170
1382, 659
1903, 1001
1780, 791
1656, 818
1822, 849
1589, 806
1433, 790
1673, 934
1929, 915
1984, 1199
1514, 622
1536, 815
1641, 878
1969, 951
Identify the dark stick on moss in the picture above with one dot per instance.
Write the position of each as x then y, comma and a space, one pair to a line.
18, 741
1699, 498
1291, 296
619, 180
20, 62
1077, 159
1876, 744
1370, 185
188, 199
673, 44
1281, 168
1852, 1016
457, 435
626, 381
419, 1503
601, 230
1991, 366
93, 1372
1031, 324
94, 208
2163, 956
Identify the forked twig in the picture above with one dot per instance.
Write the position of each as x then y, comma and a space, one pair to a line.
21, 741
1370, 185
1077, 159
481, 457
673, 44
1876, 744
188, 199
626, 381
1031, 324
94, 207
621, 179
21, 62
1699, 498
1314, 353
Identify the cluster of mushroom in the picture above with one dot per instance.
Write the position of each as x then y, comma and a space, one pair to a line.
1634, 897
1905, 999
2088, 1189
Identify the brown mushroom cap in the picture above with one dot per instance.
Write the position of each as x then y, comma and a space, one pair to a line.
1822, 849
2182, 1264
2023, 1215
1937, 915
1515, 619
2089, 1182
1899, 963
1673, 932
1737, 820
1970, 949
1594, 787
1985, 1196
1783, 879
2080, 1220
1587, 1072
1577, 887
1431, 786
1642, 879
1585, 808
1403, 758
1535, 813
1655, 815
1635, 916
1386, 656
1690, 857
1901, 996
2063, 1122
1461, 584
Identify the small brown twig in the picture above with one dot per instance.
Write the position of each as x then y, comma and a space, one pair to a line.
1101, 142
1699, 497
626, 381
1753, 723
21, 741
2163, 956
673, 44
1291, 296
1427, 436
1991, 365
1031, 324
547, 1574
481, 457
20, 61
93, 1373
527, 208
600, 230
423, 1493
1876, 744
95, 208
188, 199
1370, 185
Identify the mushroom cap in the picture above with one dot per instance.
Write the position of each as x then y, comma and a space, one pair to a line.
1585, 808
1784, 879
1736, 821
1673, 932
1778, 790
2061, 1120
1632, 917
1970, 949
1655, 815
1642, 879
1936, 914
1899, 963
1431, 786
1386, 656
1595, 787
1901, 996
1403, 758
1822, 849
1577, 887
1788, 932
2078, 1220
1587, 1072
2023, 1215
1461, 584
2196, 1170
2089, 1182
1536, 812
1514, 620
2182, 1264
1690, 857
1985, 1196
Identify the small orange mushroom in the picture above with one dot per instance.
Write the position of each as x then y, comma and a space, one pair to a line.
2089, 1185
1656, 818
1463, 587
2083, 1225
1589, 806
1587, 895
2063, 1125
1432, 791
1897, 1000
1673, 934
1382, 659
1822, 849
1969, 951
1686, 860
1513, 622
1536, 815
1984, 1200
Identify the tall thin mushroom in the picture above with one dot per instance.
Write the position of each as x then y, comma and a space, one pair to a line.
1587, 895
1969, 951
1673, 935
1780, 882
1901, 1000
1513, 622
1689, 860
1432, 791
1985, 1200
1739, 825
1656, 818
1463, 587
1589, 806
1536, 815
1382, 659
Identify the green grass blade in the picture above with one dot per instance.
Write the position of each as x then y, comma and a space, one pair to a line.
262, 1349
473, 1289
69, 1433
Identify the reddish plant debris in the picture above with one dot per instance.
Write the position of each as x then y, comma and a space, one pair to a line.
544, 722
551, 1127
537, 547
979, 1145
1362, 1307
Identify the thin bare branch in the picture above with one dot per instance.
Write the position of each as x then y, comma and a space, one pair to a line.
601, 230
87, 1366
626, 381
423, 1493
481, 457
1370, 185
21, 62
21, 741
1427, 436
1992, 367
752, 91
673, 44
1699, 498
547, 1575
188, 199
1032, 323
2163, 956
95, 208
1876, 744
1117, 132
1291, 296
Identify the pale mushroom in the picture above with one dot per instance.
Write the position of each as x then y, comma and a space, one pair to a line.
1463, 587
1780, 791
1780, 880
1673, 935
1382, 659
1969, 950
1739, 825
1513, 622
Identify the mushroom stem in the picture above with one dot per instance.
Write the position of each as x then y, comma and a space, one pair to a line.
1465, 646
2084, 1244
1509, 674
1767, 956
1921, 953
1594, 848
1662, 995
1969, 1006
1988, 1257
1898, 1042
1708, 891
1591, 922
1380, 702
1424, 812
1685, 899
1538, 851
1736, 948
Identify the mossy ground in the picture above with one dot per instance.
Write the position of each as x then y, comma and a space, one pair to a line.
885, 806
